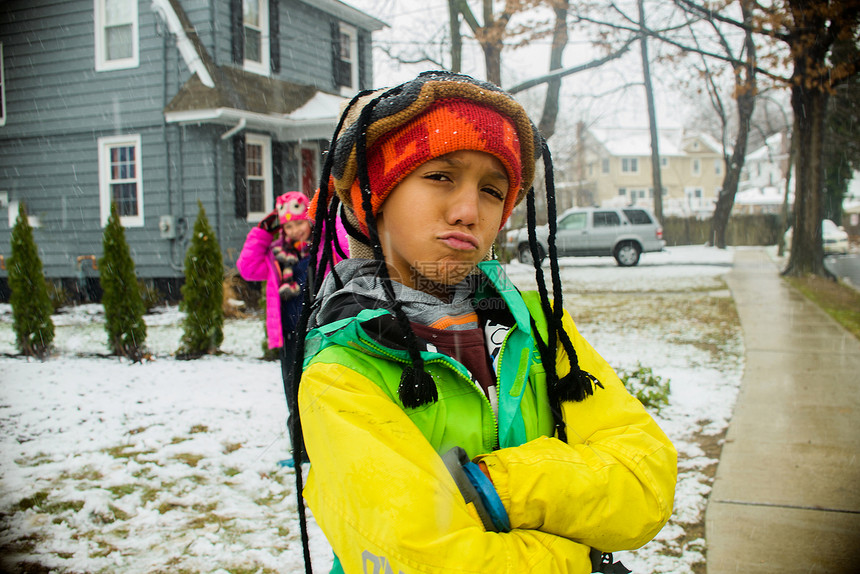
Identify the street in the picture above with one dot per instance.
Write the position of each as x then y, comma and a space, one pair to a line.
845, 267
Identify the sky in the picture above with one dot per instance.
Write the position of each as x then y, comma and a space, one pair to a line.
593, 96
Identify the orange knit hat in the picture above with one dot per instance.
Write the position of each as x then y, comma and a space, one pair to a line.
446, 126
434, 114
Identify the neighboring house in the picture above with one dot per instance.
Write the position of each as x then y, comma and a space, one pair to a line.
762, 185
617, 170
156, 104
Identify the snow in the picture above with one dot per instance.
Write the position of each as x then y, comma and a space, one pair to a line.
168, 465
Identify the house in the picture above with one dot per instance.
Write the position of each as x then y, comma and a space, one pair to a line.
617, 170
761, 188
156, 104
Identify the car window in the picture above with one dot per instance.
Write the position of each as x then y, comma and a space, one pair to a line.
573, 221
637, 216
606, 219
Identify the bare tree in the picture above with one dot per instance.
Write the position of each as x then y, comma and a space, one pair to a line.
657, 182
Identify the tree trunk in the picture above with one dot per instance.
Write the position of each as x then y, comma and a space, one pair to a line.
559, 42
746, 91
456, 38
807, 249
656, 179
783, 216
726, 200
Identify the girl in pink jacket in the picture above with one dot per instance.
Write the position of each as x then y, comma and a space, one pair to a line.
276, 251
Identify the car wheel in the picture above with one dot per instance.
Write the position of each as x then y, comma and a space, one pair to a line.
525, 254
627, 254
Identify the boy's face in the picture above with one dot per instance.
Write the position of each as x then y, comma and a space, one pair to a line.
441, 220
297, 230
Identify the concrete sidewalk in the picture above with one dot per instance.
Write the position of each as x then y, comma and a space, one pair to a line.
786, 496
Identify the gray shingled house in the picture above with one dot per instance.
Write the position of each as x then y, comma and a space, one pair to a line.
154, 104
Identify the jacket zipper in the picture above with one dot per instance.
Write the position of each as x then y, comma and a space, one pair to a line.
457, 372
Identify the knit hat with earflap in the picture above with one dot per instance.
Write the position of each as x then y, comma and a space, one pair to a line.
292, 206
434, 114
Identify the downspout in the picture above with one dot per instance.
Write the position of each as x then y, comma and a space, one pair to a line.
224, 137
165, 79
219, 227
234, 130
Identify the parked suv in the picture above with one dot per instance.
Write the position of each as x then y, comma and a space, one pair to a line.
623, 233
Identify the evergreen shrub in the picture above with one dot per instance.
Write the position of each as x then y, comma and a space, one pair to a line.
31, 306
121, 298
203, 292
649, 388
150, 295
58, 295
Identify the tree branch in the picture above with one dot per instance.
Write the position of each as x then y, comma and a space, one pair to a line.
576, 69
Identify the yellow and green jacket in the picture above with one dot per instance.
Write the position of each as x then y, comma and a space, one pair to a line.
380, 492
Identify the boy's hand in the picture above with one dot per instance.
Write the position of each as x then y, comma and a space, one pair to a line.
270, 223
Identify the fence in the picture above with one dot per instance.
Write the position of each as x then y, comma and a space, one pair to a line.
759, 229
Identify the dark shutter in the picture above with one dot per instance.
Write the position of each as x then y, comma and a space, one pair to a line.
340, 69
240, 180
274, 36
237, 31
361, 62
279, 177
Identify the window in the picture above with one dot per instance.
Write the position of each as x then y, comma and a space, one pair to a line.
120, 180
629, 165
694, 197
116, 34
622, 191
573, 221
606, 219
697, 167
637, 217
255, 28
345, 52
2, 90
605, 165
258, 172
664, 162
309, 175
718, 167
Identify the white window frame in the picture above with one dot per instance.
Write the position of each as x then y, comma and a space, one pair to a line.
695, 197
2, 89
352, 33
265, 142
313, 148
264, 66
604, 165
104, 146
102, 64
718, 167
696, 166
32, 220
629, 165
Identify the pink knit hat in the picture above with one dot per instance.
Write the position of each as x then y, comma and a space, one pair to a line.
292, 206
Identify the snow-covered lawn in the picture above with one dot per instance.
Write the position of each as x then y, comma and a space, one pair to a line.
172, 466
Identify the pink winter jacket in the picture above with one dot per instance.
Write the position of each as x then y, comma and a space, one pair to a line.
257, 263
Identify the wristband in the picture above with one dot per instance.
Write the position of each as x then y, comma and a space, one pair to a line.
477, 489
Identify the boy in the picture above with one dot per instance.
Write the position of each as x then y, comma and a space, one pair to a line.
452, 422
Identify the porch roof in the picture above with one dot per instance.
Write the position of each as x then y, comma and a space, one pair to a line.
290, 111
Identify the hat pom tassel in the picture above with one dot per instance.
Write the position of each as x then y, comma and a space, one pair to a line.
417, 388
